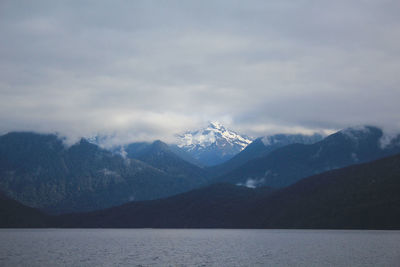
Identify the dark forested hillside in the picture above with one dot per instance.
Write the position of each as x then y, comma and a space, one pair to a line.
291, 163
14, 215
362, 196
40, 171
219, 205
160, 156
261, 147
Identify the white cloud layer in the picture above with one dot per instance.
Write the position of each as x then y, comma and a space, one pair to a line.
145, 70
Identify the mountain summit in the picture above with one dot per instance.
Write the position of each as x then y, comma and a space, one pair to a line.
213, 144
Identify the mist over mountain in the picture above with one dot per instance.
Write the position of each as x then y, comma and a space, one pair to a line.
41, 171
237, 114
272, 142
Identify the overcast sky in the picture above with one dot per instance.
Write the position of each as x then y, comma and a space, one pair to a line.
144, 70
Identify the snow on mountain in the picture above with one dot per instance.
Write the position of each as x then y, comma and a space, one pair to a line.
213, 144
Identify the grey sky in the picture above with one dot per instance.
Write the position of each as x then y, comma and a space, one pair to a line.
143, 70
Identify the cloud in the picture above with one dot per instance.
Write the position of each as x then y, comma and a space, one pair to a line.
252, 183
145, 70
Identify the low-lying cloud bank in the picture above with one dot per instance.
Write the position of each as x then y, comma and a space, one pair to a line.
145, 70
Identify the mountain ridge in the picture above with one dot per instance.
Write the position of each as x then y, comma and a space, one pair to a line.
41, 171
38, 170
160, 155
362, 196
262, 146
290, 163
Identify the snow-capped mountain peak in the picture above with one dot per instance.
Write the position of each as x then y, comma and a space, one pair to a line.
213, 144
214, 132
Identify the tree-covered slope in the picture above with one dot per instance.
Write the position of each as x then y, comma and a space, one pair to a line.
160, 156
289, 164
361, 196
14, 215
261, 147
40, 171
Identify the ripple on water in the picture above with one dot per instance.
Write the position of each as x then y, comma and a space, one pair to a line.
152, 247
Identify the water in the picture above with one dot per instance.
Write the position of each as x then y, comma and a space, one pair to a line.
151, 247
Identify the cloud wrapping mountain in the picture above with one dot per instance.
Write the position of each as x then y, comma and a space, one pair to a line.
143, 71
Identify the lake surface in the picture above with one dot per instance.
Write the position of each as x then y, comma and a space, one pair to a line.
152, 247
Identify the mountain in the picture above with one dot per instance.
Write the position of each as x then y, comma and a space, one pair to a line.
261, 147
180, 152
40, 171
363, 196
216, 206
272, 142
212, 145
161, 156
15, 215
288, 164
